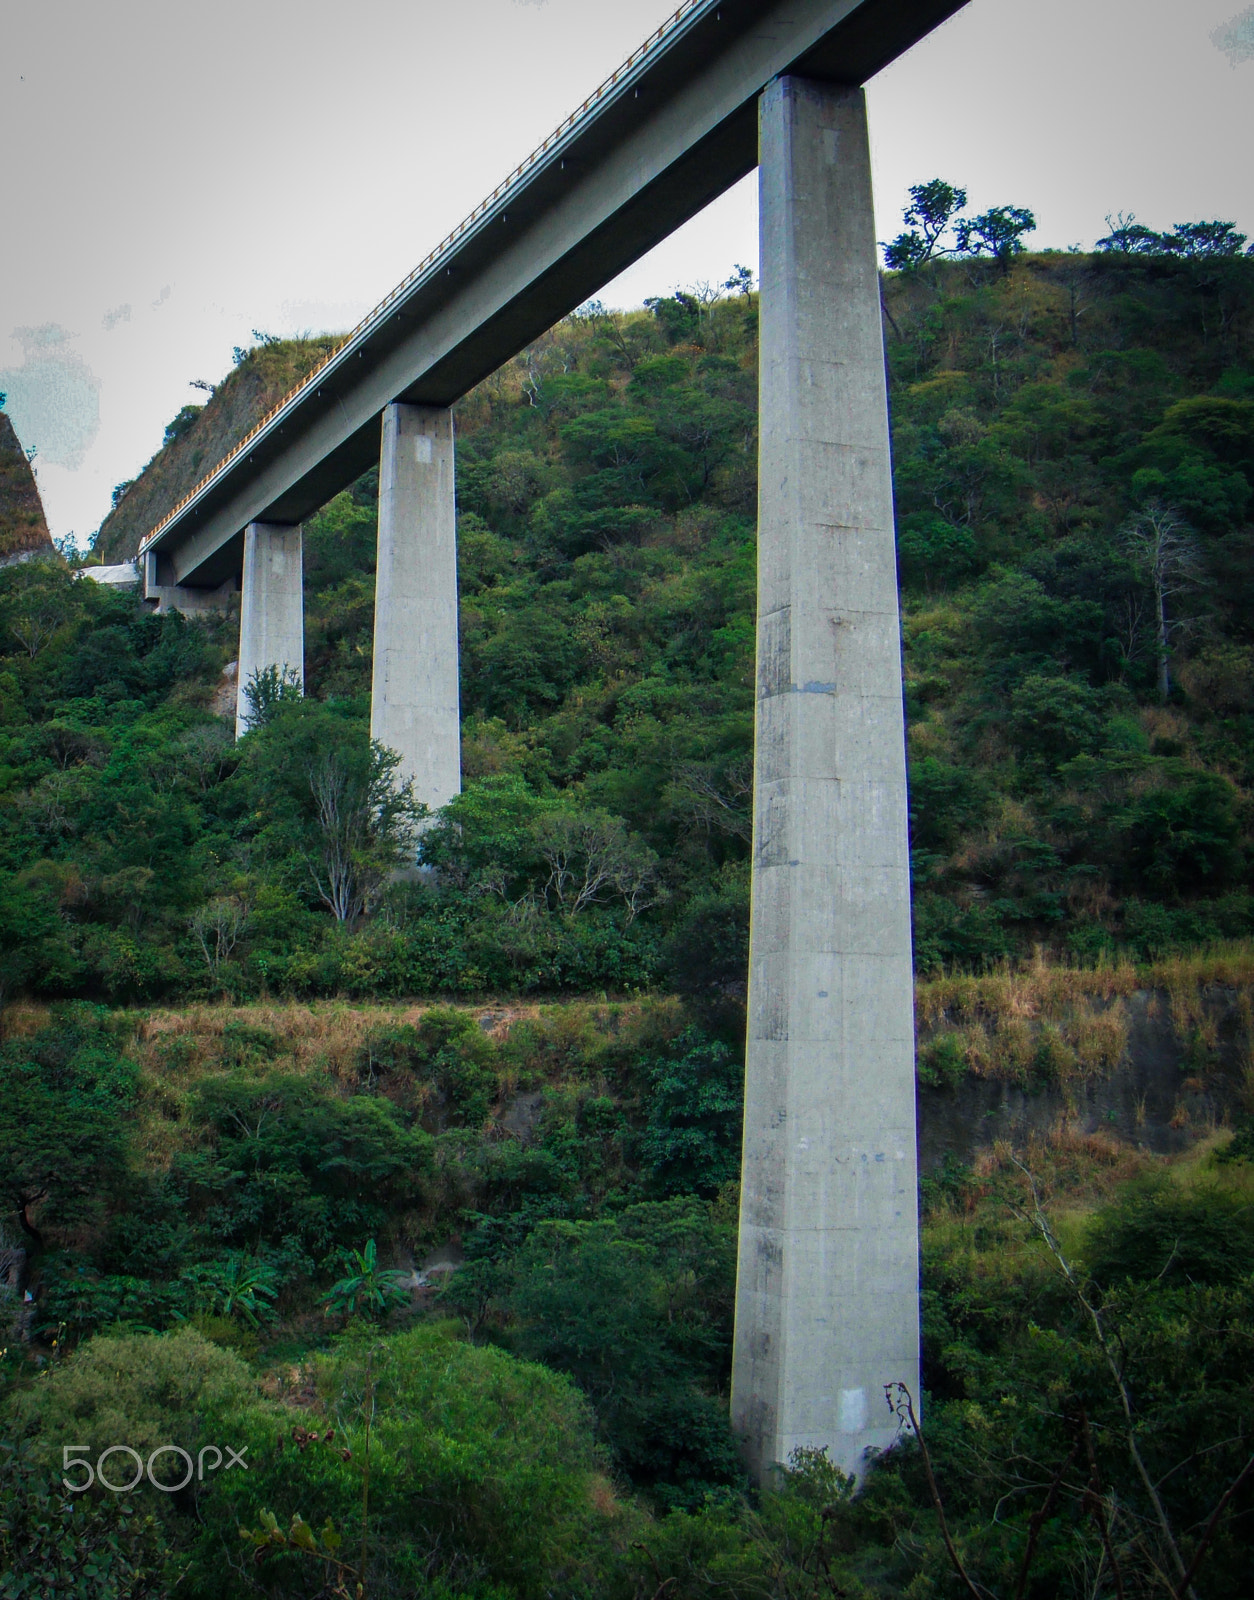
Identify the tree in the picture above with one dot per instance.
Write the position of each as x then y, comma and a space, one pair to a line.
933, 206
1183, 837
741, 280
997, 232
366, 1285
590, 855
1193, 240
63, 1138
217, 928
209, 752
365, 827
637, 1310
691, 1141
26, 920
1054, 717
182, 423
36, 602
267, 691
1199, 239
279, 1160
1165, 549
932, 550
1129, 237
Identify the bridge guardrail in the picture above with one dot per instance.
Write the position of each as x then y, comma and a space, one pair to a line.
463, 227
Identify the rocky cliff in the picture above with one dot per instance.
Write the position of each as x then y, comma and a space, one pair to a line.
23, 526
195, 443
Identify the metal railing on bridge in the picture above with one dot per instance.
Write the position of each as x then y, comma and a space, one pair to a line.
430, 260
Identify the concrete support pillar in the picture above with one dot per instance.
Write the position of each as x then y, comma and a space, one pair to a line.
827, 1292
272, 608
415, 708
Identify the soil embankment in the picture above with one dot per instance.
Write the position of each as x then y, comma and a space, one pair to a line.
23, 526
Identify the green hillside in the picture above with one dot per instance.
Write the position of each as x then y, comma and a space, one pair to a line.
422, 1192
1051, 422
223, 1208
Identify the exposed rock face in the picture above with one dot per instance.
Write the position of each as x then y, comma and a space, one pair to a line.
1162, 1094
23, 526
240, 401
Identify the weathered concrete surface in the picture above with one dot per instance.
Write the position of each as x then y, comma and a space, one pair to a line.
165, 597
827, 1294
272, 608
120, 575
414, 700
191, 602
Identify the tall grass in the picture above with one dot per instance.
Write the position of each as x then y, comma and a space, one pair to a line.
1072, 1022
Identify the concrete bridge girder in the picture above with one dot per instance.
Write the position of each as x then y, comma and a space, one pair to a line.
669, 135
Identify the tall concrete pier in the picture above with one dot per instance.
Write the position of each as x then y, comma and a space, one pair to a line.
272, 608
827, 1294
415, 703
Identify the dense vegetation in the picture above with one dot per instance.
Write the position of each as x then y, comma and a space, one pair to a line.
1074, 444
222, 1204
222, 1208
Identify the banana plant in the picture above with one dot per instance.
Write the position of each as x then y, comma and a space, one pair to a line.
366, 1285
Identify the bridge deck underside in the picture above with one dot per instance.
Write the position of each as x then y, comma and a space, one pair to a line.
674, 133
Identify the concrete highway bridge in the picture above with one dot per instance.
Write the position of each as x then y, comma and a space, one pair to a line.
827, 1295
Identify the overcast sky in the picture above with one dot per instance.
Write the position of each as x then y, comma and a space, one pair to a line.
177, 174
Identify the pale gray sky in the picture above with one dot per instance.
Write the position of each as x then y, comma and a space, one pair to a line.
175, 175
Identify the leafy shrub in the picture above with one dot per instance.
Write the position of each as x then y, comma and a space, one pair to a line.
969, 937
1054, 719
60, 1123
83, 1300
946, 801
448, 1052
707, 949
933, 553
484, 1475
53, 1542
243, 1044
1183, 838
691, 1141
1160, 1234
942, 1062
284, 1157
142, 1390
638, 1311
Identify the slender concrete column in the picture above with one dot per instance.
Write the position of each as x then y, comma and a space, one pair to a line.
272, 608
415, 708
827, 1293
